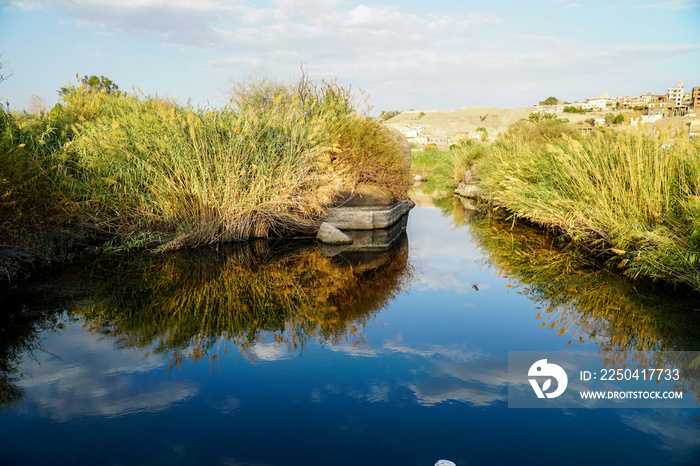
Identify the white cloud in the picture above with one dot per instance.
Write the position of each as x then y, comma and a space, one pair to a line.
405, 59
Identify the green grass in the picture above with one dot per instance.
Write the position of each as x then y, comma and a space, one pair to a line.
445, 168
124, 171
626, 196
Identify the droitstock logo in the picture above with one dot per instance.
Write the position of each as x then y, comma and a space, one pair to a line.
543, 369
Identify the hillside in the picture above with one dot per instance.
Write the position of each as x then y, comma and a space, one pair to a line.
449, 122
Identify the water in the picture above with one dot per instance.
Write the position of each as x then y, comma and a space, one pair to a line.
282, 356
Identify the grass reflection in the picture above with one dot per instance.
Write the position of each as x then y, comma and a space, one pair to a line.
181, 304
582, 300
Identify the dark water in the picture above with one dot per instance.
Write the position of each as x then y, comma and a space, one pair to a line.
283, 356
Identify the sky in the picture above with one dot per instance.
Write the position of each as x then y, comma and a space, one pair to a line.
421, 55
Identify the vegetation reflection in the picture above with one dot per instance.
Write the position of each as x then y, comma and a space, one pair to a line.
583, 301
181, 304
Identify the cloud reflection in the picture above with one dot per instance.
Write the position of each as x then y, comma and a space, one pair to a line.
671, 429
107, 383
444, 373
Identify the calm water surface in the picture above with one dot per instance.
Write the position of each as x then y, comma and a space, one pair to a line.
284, 356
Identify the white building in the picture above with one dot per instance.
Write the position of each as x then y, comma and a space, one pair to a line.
675, 94
412, 131
599, 103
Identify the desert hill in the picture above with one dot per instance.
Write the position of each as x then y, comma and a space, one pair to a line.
450, 122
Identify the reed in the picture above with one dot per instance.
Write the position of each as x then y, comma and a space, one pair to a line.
149, 173
629, 197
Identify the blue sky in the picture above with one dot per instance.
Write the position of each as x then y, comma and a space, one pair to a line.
406, 55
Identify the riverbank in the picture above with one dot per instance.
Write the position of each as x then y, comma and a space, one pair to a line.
630, 199
114, 171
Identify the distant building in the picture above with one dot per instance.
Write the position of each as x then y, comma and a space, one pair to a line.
695, 98
675, 94
465, 136
412, 131
440, 141
632, 102
598, 103
624, 102
644, 119
559, 108
659, 105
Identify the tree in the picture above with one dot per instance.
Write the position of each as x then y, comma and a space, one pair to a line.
620, 118
549, 101
386, 115
92, 83
572, 109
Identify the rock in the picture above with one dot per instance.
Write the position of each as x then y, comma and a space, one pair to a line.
328, 234
469, 190
368, 241
467, 187
419, 178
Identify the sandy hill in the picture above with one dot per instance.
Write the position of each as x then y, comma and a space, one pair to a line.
449, 122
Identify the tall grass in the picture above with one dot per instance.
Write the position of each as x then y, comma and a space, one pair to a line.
153, 173
628, 196
134, 171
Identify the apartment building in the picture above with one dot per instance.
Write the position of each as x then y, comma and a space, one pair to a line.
659, 104
675, 94
695, 98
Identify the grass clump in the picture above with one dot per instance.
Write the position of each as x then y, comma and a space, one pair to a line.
629, 197
123, 170
114, 170
156, 174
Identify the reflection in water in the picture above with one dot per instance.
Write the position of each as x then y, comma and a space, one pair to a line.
424, 379
584, 301
19, 325
251, 294
266, 299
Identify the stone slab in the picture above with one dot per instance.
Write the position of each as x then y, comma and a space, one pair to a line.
367, 217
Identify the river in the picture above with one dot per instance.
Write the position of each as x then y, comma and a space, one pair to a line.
280, 355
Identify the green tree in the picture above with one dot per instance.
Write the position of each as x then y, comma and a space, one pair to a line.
549, 101
620, 118
386, 115
572, 109
92, 83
